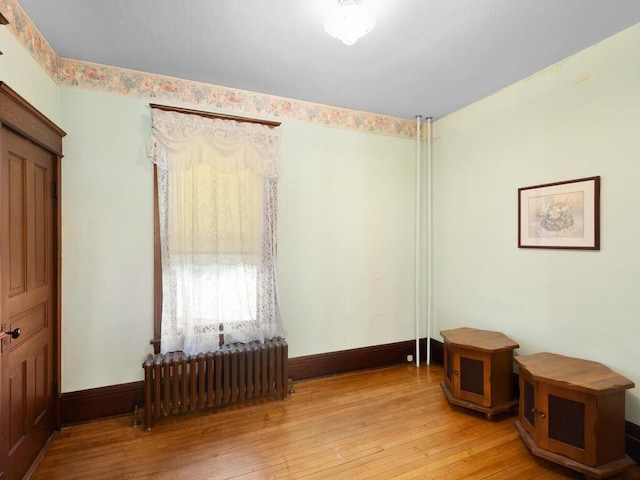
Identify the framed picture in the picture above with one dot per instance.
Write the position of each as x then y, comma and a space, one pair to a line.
560, 215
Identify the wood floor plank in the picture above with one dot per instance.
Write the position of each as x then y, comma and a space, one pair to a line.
391, 423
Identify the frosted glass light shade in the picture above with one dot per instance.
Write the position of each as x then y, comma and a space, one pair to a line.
349, 21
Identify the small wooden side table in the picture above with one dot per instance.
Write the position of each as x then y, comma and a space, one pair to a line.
572, 413
478, 368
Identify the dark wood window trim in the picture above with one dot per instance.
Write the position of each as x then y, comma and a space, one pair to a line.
157, 259
222, 116
157, 268
3, 21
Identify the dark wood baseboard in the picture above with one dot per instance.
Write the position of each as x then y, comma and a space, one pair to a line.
331, 363
437, 351
92, 404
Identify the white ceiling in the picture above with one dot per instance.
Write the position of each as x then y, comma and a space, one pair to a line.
424, 57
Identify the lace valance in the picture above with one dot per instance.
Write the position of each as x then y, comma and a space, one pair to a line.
190, 138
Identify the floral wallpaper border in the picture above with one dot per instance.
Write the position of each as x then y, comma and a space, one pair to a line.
21, 26
75, 73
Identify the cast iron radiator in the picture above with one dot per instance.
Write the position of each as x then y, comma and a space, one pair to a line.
177, 383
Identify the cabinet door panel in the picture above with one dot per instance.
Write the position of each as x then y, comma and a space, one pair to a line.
528, 404
567, 423
472, 376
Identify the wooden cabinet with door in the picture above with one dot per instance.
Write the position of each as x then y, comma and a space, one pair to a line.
479, 370
572, 413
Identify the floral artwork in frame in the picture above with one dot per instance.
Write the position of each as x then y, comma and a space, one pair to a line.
560, 215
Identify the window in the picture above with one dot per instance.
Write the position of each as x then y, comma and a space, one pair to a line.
216, 192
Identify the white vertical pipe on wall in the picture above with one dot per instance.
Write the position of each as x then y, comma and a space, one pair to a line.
429, 238
417, 278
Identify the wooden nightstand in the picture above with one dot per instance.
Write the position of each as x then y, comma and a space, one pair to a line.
478, 368
572, 413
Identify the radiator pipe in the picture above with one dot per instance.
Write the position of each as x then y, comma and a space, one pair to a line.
429, 236
417, 246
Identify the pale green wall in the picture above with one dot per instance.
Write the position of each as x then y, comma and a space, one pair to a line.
345, 239
107, 240
576, 119
22, 73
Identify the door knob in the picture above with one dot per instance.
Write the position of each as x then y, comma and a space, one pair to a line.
15, 333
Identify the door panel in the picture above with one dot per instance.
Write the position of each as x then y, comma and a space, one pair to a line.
527, 405
29, 302
17, 395
472, 376
567, 414
17, 281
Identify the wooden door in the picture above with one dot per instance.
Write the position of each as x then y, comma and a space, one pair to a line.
28, 292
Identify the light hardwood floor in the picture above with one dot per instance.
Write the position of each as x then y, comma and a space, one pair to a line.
391, 423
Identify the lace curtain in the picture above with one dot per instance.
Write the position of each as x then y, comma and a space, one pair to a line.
217, 199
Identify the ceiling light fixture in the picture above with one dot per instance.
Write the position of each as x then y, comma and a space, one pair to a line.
349, 21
